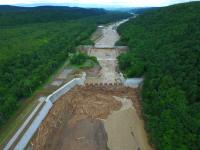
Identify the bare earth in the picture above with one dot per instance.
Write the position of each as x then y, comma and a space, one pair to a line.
96, 116
74, 122
125, 129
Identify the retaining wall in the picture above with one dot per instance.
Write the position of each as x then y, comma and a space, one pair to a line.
50, 100
65, 88
131, 82
34, 126
23, 127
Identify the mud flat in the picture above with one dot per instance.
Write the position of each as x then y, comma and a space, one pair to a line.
125, 129
75, 121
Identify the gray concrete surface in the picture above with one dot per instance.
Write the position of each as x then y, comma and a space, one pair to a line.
33, 127
41, 115
58, 93
24, 125
133, 82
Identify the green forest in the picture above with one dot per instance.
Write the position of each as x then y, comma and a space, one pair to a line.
165, 50
34, 42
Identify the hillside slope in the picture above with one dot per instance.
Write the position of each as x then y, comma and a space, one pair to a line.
12, 15
165, 50
35, 42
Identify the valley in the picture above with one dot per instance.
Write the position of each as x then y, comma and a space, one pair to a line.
102, 114
96, 79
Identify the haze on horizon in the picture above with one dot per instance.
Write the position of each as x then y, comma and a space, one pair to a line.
121, 3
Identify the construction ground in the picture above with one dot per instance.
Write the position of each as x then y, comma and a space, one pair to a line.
101, 115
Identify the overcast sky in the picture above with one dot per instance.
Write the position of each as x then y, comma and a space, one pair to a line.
132, 3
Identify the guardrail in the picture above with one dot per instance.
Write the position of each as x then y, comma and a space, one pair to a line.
32, 129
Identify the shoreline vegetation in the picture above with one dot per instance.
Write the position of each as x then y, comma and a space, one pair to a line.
164, 48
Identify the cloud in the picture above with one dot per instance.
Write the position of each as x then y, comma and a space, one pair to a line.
133, 3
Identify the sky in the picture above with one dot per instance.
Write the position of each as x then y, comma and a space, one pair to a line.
125, 3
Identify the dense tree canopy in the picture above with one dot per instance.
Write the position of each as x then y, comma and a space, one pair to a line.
35, 42
165, 49
11, 15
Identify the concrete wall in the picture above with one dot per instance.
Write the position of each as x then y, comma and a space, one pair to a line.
34, 126
23, 126
58, 93
50, 100
131, 82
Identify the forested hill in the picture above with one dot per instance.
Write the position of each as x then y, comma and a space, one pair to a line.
141, 10
34, 43
12, 15
165, 49
9, 8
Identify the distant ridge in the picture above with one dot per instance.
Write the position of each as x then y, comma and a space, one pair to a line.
98, 9
11, 8
140, 10
11, 15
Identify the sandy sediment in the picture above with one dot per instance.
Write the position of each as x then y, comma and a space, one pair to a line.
107, 59
96, 117
77, 115
125, 129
